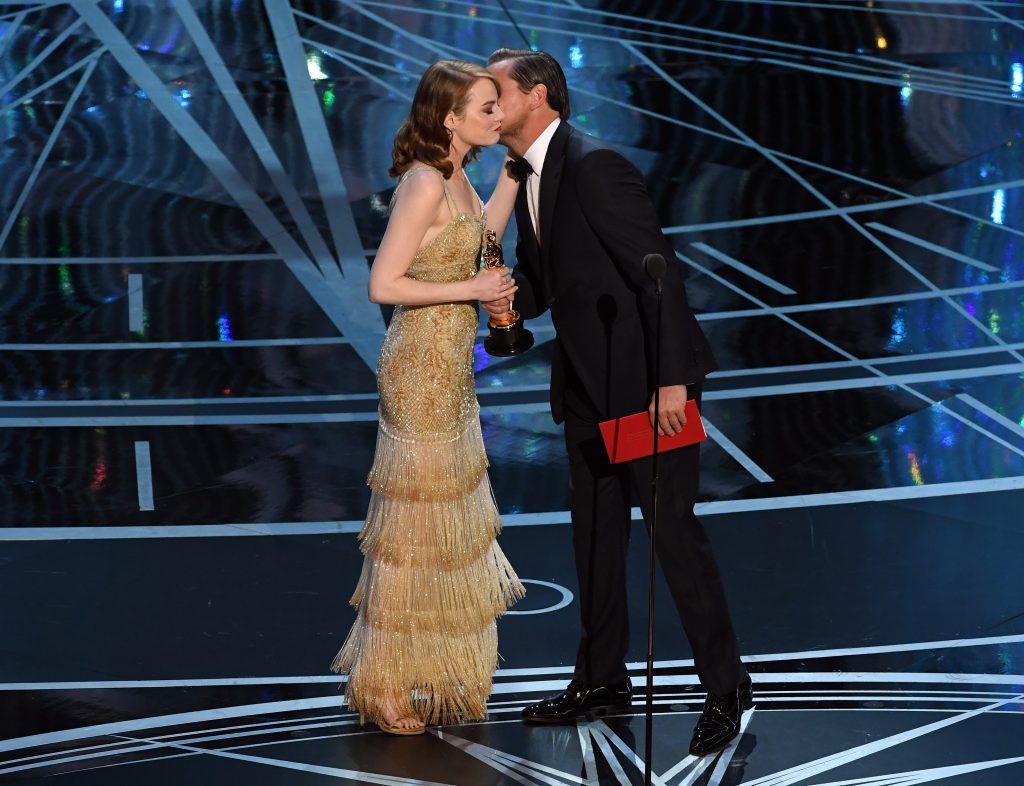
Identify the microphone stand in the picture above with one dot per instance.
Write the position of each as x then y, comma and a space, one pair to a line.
649, 711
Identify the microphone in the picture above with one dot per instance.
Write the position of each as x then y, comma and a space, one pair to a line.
654, 264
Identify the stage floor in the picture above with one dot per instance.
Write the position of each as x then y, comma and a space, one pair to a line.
190, 194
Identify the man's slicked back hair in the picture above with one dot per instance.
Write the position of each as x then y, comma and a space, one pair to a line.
531, 68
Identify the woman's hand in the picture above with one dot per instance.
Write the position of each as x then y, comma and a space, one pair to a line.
492, 284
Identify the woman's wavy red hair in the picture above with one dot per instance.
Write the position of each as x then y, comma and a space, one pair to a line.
443, 88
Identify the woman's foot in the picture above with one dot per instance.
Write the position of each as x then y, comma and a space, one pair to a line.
394, 721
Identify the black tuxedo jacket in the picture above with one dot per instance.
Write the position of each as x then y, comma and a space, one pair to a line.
597, 223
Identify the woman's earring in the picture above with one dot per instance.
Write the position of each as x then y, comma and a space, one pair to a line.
451, 134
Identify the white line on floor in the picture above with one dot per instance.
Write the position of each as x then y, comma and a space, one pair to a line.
714, 508
144, 475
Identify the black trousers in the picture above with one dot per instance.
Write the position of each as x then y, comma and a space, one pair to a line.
601, 501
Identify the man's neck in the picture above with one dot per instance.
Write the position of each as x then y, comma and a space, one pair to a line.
531, 133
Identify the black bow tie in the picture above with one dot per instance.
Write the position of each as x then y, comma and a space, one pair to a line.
519, 169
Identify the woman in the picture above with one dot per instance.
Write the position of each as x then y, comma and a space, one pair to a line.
424, 644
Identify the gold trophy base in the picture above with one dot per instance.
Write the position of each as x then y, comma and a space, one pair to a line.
507, 338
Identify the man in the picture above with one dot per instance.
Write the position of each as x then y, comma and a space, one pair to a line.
585, 224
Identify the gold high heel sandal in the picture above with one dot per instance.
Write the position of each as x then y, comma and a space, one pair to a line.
394, 728
387, 728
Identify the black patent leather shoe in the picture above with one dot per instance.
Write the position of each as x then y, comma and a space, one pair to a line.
579, 700
719, 723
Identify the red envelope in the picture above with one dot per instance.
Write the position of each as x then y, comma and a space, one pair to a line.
632, 437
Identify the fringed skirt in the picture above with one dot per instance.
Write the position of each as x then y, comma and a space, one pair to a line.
434, 581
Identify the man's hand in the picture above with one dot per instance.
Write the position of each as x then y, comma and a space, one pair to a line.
497, 308
671, 416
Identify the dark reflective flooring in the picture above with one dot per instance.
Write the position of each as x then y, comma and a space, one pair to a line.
192, 192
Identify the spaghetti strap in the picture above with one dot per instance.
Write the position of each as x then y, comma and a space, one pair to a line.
444, 184
401, 179
417, 168
451, 201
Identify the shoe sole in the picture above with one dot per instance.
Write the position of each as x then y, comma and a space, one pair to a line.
748, 704
600, 711
718, 748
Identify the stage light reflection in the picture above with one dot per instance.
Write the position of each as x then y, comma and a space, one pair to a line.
224, 328
314, 66
915, 469
576, 56
999, 205
66, 287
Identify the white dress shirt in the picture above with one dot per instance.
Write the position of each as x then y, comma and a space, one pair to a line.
535, 155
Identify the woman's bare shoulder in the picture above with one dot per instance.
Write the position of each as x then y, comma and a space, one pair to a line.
419, 185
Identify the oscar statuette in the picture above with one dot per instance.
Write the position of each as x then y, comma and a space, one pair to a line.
508, 335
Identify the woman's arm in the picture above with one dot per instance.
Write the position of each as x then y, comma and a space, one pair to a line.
499, 206
416, 210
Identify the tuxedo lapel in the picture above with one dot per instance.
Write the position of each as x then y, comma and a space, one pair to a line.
550, 179
523, 222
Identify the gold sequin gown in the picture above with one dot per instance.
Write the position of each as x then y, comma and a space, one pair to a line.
434, 579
